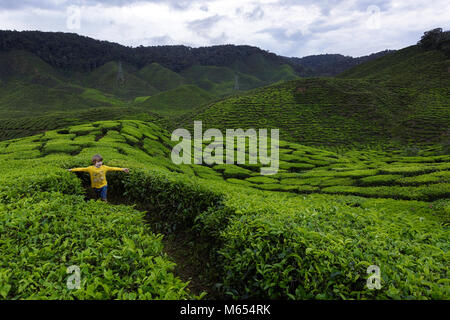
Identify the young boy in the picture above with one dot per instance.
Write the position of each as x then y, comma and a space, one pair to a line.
98, 175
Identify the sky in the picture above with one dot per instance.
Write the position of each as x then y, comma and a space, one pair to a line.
292, 28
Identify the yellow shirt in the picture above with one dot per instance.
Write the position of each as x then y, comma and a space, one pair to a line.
98, 175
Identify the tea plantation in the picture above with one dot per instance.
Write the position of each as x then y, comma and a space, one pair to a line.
402, 98
308, 232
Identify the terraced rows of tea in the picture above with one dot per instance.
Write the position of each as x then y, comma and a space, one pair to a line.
335, 112
11, 128
370, 173
399, 99
425, 124
419, 78
310, 231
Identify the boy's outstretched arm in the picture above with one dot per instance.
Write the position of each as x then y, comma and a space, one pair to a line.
78, 169
117, 169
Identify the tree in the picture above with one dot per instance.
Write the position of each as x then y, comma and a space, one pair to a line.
436, 39
431, 39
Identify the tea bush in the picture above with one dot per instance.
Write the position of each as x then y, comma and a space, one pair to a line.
429, 192
60, 146
379, 180
285, 247
435, 177
82, 129
118, 257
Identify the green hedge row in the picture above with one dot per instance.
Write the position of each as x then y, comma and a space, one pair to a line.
282, 246
118, 257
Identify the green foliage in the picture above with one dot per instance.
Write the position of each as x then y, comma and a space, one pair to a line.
378, 194
132, 131
105, 79
409, 170
427, 192
221, 81
113, 136
385, 179
22, 180
160, 77
26, 126
60, 146
436, 39
261, 180
285, 241
21, 146
107, 124
240, 182
178, 199
58, 134
41, 74
374, 103
306, 189
435, 177
288, 248
177, 101
96, 95
154, 148
276, 187
84, 140
81, 129
117, 255
232, 171
295, 167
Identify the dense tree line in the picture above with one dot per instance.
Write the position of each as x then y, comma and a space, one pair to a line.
436, 39
331, 64
73, 52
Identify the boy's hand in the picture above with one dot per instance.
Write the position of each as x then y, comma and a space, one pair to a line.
69, 170
126, 170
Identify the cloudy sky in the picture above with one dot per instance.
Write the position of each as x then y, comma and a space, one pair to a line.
293, 28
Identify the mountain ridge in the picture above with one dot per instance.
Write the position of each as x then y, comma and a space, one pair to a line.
74, 52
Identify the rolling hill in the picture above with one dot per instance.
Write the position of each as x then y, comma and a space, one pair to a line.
29, 86
161, 78
327, 65
126, 85
39, 75
44, 74
176, 101
400, 98
411, 67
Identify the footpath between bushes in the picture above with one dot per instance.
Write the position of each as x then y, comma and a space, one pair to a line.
181, 242
250, 244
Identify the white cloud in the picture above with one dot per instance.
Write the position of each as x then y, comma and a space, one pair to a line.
286, 27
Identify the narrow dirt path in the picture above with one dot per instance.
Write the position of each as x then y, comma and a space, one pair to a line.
188, 268
190, 264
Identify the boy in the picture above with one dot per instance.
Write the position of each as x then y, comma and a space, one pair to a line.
98, 175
